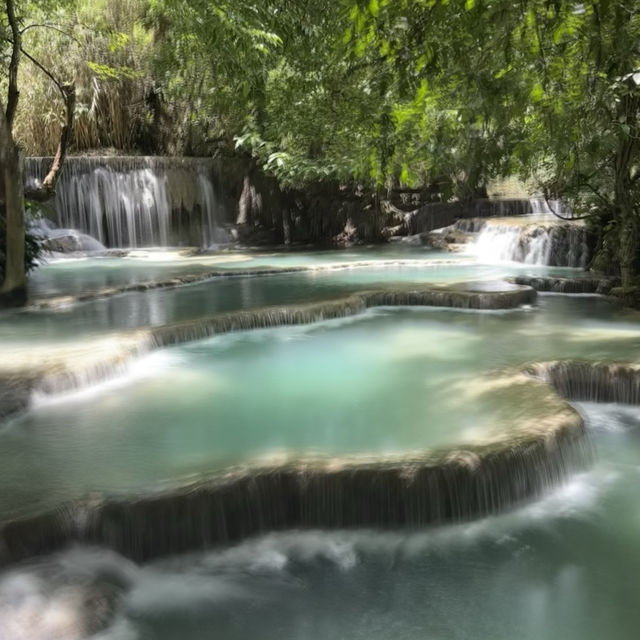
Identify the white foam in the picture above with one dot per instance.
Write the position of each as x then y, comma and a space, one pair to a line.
135, 370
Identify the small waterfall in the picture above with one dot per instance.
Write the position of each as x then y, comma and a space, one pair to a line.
601, 286
64, 240
541, 207
591, 381
108, 358
312, 493
559, 245
136, 201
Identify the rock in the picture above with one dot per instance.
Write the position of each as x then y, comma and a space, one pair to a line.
70, 240
398, 230
418, 239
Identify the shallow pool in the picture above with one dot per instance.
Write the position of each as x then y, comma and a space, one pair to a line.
391, 380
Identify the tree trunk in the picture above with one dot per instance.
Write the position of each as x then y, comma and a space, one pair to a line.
13, 291
628, 243
624, 202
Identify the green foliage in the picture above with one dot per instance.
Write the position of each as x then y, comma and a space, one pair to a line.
35, 246
410, 93
105, 48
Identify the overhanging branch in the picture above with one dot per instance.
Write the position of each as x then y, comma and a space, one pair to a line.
560, 216
45, 71
49, 26
47, 188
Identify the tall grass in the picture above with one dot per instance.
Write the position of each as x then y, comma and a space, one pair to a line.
106, 47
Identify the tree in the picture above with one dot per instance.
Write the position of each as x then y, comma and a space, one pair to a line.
586, 123
13, 287
547, 89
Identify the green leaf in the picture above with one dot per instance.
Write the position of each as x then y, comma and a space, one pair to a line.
537, 92
558, 33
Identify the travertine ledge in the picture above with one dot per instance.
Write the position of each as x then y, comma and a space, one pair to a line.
65, 369
517, 462
600, 286
54, 302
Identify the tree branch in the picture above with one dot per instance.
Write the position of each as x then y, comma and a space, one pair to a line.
567, 218
52, 27
45, 71
13, 93
48, 186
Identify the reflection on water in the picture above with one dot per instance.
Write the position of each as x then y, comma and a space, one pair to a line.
161, 306
75, 275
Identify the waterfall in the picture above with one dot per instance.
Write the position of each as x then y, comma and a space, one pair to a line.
591, 381
63, 240
110, 356
552, 244
312, 493
136, 201
599, 285
541, 207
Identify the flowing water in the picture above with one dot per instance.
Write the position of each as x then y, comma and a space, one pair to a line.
390, 380
161, 306
75, 275
536, 240
317, 388
137, 201
564, 567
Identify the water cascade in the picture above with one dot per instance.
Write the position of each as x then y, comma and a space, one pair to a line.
72, 369
390, 491
64, 240
485, 474
600, 286
592, 381
137, 201
537, 243
543, 207
432, 488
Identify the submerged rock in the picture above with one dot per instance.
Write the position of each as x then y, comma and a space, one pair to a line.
70, 241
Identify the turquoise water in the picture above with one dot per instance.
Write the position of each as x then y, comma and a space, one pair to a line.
391, 380
162, 306
566, 566
73, 275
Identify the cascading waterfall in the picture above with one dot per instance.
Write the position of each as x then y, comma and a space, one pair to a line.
544, 207
110, 357
561, 245
308, 494
136, 201
591, 381
539, 238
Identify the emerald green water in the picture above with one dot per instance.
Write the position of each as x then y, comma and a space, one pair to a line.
74, 275
566, 566
162, 306
388, 381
